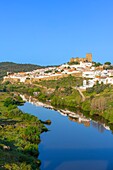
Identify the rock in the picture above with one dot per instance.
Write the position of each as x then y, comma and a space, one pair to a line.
6, 147
47, 122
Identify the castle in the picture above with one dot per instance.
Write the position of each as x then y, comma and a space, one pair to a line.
87, 59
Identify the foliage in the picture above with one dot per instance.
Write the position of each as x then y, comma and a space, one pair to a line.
42, 97
19, 134
86, 105
96, 64
73, 63
9, 101
48, 71
107, 63
63, 82
98, 88
66, 97
17, 100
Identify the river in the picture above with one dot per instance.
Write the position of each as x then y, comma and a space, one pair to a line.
72, 144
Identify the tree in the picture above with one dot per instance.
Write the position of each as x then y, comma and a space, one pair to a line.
97, 64
107, 63
98, 104
9, 101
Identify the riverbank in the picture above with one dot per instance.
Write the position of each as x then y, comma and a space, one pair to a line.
64, 112
19, 135
62, 93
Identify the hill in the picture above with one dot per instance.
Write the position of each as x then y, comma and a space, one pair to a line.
13, 67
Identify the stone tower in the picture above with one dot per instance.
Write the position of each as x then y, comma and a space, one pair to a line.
89, 57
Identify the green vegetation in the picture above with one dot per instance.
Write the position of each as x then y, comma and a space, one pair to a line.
13, 67
74, 62
99, 102
98, 88
96, 64
69, 81
19, 135
60, 92
107, 63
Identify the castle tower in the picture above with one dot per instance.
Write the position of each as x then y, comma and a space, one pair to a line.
89, 57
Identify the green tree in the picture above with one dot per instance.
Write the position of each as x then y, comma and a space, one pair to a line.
97, 64
9, 101
107, 63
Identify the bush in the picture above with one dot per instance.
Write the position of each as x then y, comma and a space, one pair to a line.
9, 101
31, 149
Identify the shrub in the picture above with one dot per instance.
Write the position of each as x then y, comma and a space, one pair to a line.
9, 101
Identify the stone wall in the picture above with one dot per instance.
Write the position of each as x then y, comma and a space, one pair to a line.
87, 59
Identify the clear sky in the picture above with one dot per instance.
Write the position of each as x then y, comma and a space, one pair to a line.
50, 32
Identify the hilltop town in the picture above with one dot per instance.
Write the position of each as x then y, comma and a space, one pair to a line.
90, 71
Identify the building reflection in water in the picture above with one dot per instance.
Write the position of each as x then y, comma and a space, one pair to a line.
100, 127
75, 117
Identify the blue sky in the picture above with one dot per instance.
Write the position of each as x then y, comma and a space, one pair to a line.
50, 32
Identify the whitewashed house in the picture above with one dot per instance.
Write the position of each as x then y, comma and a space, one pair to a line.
88, 74
85, 64
88, 83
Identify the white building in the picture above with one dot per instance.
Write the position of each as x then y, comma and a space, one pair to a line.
85, 64
88, 83
88, 74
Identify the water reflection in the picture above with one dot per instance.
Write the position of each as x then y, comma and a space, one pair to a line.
75, 117
84, 122
98, 126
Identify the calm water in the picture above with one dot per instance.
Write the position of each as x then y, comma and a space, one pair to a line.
70, 145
